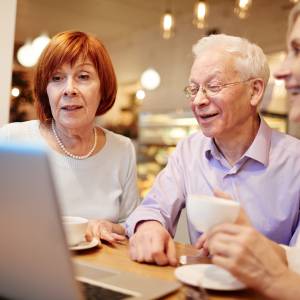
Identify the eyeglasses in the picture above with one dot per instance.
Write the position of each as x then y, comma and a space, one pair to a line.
208, 90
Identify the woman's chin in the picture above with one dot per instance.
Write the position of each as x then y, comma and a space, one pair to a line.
294, 114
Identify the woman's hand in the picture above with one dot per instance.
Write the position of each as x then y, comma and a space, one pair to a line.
105, 230
247, 254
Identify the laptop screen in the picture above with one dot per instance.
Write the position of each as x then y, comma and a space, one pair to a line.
35, 261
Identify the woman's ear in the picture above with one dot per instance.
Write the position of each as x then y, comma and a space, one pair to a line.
258, 88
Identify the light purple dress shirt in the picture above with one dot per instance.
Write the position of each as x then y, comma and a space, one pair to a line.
266, 181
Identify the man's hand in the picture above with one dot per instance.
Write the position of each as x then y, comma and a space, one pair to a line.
242, 219
152, 243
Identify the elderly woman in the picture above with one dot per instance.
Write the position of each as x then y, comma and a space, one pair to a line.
95, 169
243, 251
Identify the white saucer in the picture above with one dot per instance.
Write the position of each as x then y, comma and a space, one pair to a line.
208, 276
86, 245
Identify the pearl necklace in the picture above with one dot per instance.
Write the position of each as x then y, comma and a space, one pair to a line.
63, 148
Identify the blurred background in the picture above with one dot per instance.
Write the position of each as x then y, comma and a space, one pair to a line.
150, 44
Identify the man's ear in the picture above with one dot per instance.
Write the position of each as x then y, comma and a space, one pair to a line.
258, 88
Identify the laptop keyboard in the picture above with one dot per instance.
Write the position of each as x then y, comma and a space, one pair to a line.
93, 292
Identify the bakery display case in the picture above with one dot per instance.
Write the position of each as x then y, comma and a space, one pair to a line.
158, 136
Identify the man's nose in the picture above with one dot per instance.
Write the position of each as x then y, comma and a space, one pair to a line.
70, 88
201, 98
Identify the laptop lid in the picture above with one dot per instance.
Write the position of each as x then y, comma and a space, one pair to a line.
35, 261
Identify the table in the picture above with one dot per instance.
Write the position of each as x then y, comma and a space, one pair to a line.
117, 257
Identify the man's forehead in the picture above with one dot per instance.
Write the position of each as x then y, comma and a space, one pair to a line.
213, 65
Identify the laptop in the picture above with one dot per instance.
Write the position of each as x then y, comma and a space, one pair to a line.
35, 261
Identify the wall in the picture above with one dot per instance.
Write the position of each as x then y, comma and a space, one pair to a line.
173, 58
7, 32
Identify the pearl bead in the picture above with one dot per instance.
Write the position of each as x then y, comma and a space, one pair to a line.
63, 148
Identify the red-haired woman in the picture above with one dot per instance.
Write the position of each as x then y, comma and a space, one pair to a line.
95, 169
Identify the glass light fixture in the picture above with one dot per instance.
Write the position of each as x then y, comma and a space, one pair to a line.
294, 1
40, 43
200, 13
15, 92
242, 7
140, 94
30, 52
26, 55
150, 79
167, 25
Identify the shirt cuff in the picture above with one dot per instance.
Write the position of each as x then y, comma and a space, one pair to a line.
142, 214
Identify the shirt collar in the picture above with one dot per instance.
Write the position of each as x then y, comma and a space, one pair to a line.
259, 149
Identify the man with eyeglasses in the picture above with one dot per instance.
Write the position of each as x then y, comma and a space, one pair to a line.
235, 152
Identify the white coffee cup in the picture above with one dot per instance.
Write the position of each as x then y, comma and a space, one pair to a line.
75, 228
205, 211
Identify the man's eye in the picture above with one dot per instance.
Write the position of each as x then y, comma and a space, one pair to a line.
194, 90
214, 88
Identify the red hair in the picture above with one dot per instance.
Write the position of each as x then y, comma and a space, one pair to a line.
68, 47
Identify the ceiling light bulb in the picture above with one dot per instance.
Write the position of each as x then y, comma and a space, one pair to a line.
168, 21
26, 55
15, 92
140, 94
167, 24
200, 13
244, 4
242, 7
40, 43
150, 79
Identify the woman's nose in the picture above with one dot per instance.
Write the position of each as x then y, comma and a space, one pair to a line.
283, 71
70, 89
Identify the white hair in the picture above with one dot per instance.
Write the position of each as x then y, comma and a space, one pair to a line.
250, 60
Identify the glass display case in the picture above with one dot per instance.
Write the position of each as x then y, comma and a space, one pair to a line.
158, 136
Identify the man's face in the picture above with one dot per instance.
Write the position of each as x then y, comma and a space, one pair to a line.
290, 71
223, 114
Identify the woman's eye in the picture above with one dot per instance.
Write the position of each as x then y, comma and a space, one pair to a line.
296, 51
84, 76
56, 78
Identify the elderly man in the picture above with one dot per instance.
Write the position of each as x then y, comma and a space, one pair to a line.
236, 152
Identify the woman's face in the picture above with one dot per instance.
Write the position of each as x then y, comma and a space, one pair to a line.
290, 71
74, 94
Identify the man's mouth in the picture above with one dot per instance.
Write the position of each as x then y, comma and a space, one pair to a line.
208, 116
71, 107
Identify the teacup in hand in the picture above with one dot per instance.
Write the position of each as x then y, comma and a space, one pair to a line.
205, 211
75, 228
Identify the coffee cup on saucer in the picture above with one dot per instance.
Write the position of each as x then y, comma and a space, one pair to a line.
205, 212
75, 229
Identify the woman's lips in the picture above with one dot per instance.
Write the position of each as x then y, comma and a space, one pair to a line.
71, 107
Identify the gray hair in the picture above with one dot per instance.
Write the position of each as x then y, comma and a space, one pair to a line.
293, 15
250, 60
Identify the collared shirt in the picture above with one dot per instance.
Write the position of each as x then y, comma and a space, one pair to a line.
265, 180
